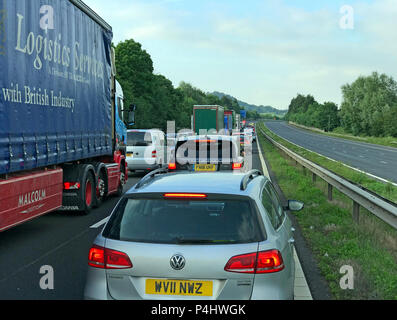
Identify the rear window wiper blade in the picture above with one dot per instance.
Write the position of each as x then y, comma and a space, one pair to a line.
199, 241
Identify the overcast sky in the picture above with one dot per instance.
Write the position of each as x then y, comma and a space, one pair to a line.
262, 52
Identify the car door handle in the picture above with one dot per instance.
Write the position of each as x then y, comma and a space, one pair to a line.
291, 241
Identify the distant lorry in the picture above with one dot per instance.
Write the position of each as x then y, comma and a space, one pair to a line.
62, 138
208, 117
243, 117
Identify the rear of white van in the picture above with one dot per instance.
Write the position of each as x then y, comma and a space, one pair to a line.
142, 150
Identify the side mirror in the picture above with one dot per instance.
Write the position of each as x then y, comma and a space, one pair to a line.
131, 117
294, 205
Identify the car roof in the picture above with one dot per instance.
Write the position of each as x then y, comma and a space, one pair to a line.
221, 182
207, 136
144, 130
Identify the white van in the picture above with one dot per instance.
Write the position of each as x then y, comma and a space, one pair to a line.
145, 149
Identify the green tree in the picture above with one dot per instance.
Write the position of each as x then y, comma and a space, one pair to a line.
328, 118
156, 99
368, 103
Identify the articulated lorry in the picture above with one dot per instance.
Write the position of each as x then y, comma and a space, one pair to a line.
209, 118
61, 133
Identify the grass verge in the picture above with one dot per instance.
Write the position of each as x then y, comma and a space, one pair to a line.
386, 190
369, 247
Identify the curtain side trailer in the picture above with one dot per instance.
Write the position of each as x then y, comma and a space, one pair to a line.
62, 134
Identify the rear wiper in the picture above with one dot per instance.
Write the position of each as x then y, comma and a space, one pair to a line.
198, 241
194, 241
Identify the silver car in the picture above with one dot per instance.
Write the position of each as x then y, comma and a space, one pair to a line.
184, 235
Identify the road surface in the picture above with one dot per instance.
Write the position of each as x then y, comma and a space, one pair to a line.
62, 240
377, 160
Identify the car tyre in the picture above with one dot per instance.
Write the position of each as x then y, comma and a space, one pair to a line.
88, 193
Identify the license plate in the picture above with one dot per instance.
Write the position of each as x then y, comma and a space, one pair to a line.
129, 154
179, 287
204, 167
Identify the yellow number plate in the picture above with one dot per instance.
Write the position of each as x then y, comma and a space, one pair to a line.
204, 167
129, 154
179, 287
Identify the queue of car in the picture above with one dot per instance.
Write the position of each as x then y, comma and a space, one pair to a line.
197, 229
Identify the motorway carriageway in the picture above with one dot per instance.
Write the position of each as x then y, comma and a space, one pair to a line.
62, 241
380, 161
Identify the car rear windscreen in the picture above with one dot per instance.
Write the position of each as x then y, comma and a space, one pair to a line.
184, 221
216, 150
139, 139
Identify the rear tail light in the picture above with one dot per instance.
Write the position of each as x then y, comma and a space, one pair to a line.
105, 258
236, 166
269, 261
257, 262
244, 263
186, 195
71, 185
172, 166
154, 154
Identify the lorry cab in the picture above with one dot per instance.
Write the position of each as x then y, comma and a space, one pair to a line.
121, 129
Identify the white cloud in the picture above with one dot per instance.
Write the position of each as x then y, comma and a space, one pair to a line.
261, 58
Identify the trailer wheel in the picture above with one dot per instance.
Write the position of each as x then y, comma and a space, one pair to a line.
88, 193
122, 181
100, 189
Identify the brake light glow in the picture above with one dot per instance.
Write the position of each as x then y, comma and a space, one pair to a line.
186, 195
205, 141
105, 258
172, 166
269, 261
154, 154
71, 185
257, 262
236, 166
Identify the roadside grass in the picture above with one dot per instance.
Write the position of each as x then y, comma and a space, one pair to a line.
369, 247
386, 190
341, 133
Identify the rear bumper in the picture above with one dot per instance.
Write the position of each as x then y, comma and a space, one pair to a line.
141, 164
96, 285
275, 286
125, 287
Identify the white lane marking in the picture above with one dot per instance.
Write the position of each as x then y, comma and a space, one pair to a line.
301, 288
384, 162
43, 256
264, 167
98, 224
